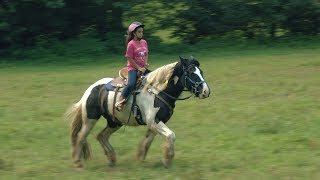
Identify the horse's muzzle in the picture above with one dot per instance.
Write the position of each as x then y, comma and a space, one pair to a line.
205, 93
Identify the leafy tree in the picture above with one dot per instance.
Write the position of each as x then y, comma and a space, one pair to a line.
302, 16
199, 19
26, 22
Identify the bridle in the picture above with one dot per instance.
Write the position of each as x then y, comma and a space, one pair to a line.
194, 91
194, 85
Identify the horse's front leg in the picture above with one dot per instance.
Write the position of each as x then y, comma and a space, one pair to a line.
168, 147
145, 144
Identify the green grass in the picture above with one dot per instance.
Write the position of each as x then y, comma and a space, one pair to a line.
261, 121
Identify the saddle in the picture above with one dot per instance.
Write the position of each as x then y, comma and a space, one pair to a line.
120, 82
122, 79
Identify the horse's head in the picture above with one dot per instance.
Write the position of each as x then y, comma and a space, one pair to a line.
193, 78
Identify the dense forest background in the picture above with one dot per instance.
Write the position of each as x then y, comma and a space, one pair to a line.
45, 23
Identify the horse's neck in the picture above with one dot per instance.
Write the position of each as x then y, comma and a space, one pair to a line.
174, 90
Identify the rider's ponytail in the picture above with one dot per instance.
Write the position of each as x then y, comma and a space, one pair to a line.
129, 37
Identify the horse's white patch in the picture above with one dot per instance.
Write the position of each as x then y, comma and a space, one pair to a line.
163, 129
205, 90
175, 79
197, 72
146, 102
88, 91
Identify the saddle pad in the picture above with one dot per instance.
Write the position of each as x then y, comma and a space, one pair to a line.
109, 87
118, 82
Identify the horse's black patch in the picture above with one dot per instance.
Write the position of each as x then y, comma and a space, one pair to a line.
92, 104
103, 97
164, 113
110, 121
96, 105
174, 89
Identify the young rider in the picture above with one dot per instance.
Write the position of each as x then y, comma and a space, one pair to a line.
137, 58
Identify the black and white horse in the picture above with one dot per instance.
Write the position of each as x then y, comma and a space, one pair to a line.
155, 101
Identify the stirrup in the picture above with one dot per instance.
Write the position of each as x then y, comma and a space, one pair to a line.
119, 105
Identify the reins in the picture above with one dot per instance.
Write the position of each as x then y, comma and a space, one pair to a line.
166, 103
174, 98
194, 87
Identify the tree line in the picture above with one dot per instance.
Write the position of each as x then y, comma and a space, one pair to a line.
24, 23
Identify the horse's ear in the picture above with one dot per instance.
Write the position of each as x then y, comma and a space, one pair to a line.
194, 61
183, 61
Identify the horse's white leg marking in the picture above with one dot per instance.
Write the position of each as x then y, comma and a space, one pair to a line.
103, 138
168, 147
145, 144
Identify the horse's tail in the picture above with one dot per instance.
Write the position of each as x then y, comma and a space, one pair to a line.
74, 115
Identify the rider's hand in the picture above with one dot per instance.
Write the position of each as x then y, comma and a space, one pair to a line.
142, 69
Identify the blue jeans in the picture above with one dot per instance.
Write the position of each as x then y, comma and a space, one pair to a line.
132, 78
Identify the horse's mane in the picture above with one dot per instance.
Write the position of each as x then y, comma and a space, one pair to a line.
159, 78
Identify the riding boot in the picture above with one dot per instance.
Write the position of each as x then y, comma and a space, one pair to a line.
120, 103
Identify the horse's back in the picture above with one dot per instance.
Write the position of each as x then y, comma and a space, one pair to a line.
88, 91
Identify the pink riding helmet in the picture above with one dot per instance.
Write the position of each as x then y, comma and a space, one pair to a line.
133, 26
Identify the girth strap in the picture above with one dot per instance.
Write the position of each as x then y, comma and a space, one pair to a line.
166, 103
114, 102
136, 110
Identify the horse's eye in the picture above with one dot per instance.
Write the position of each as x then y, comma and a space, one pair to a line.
191, 69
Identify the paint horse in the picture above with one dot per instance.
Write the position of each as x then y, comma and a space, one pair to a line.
155, 100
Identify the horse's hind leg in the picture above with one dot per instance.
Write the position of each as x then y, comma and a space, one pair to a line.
82, 148
145, 144
103, 138
168, 147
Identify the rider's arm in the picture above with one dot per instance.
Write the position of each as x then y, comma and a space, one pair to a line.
146, 62
135, 64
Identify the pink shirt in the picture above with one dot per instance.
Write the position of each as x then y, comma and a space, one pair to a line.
138, 51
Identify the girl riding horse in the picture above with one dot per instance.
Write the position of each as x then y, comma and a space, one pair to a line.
137, 57
156, 101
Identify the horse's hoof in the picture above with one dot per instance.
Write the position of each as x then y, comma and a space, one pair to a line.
141, 157
78, 167
167, 163
111, 163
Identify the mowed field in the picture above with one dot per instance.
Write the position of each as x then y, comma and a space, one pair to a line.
262, 120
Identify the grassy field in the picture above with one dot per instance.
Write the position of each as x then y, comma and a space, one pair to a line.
261, 122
